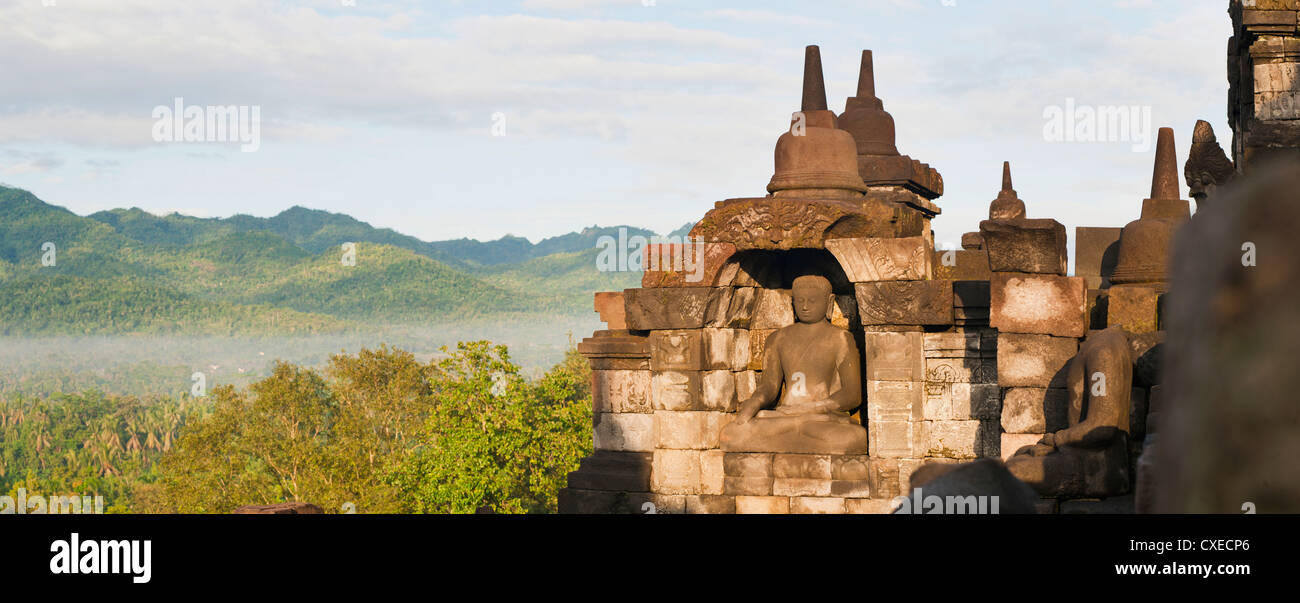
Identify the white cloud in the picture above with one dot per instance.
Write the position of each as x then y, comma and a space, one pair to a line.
582, 4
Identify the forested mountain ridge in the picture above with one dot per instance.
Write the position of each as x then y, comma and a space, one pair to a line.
128, 271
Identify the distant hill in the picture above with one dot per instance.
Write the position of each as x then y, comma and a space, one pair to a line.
126, 270
316, 231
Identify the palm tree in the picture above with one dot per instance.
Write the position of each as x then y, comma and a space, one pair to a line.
133, 428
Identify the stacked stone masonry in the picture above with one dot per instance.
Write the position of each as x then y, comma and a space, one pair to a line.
965, 354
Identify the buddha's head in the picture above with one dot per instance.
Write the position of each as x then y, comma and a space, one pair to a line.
812, 299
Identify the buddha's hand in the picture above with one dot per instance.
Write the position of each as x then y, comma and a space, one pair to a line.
747, 411
1040, 450
1044, 447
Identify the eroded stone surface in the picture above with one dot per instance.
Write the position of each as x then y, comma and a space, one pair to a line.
905, 303
688, 264
621, 391
1030, 246
632, 432
669, 308
1033, 360
1040, 304
680, 350
1034, 410
866, 260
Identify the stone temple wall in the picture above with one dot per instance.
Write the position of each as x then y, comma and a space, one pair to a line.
1264, 80
964, 357
965, 354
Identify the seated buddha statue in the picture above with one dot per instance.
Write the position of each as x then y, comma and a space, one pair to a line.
1090, 457
810, 382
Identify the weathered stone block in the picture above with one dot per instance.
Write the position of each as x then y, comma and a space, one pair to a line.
677, 390
867, 260
758, 347
712, 472
894, 400
624, 431
670, 308
616, 350
762, 505
1030, 246
734, 308
961, 370
681, 350
1277, 77
619, 364
694, 430
1033, 360
773, 310
885, 477
1096, 251
676, 472
894, 356
967, 265
952, 344
891, 439
719, 391
747, 486
850, 467
609, 305
747, 464
726, 349
621, 391
1039, 304
812, 466
1012, 442
962, 401
806, 505
613, 470
1277, 105
905, 303
862, 506
1034, 410
705, 504
1134, 308
688, 264
855, 488
800, 486
959, 439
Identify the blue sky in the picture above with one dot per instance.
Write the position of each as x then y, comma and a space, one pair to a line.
614, 112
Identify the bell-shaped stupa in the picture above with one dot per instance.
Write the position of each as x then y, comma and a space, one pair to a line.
879, 161
1008, 205
815, 158
1145, 243
865, 116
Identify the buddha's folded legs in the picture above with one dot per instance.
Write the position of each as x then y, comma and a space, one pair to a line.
808, 434
1072, 472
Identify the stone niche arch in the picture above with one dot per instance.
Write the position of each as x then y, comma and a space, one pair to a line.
771, 274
